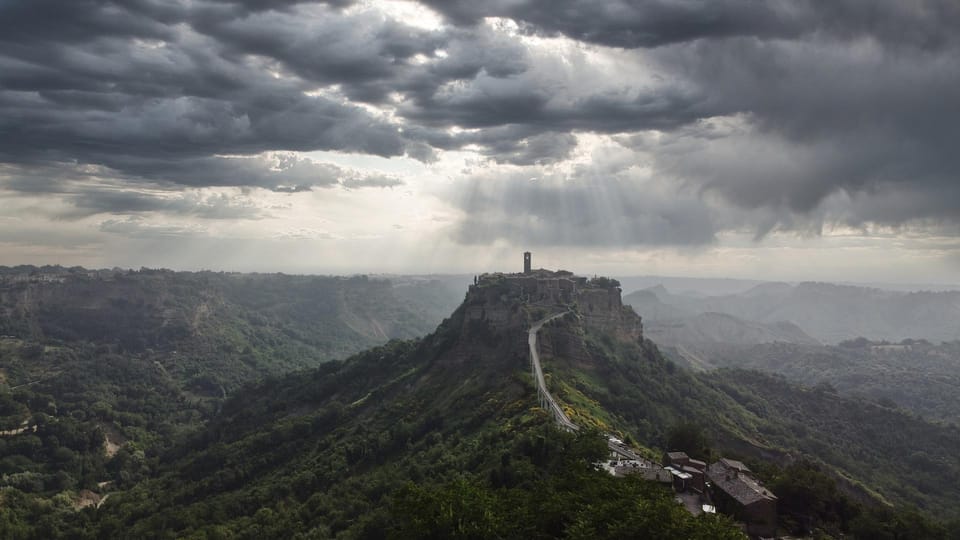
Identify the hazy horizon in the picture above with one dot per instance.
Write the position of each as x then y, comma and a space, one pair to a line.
678, 284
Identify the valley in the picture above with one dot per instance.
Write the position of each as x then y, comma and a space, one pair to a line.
503, 411
916, 374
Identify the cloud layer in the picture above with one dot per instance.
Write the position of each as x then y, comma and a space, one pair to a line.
660, 123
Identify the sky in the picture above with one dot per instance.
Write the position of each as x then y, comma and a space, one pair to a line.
784, 139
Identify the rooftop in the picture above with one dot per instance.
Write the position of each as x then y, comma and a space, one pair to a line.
737, 482
734, 464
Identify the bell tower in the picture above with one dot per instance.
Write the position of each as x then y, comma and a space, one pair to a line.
526, 262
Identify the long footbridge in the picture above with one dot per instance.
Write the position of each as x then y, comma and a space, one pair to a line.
547, 401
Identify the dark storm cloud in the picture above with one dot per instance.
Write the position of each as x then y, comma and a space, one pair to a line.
125, 87
83, 189
99, 201
836, 105
901, 205
848, 97
264, 5
621, 23
492, 103
38, 126
183, 83
365, 52
152, 90
517, 144
653, 23
197, 83
283, 172
280, 172
820, 119
80, 21
537, 149
372, 181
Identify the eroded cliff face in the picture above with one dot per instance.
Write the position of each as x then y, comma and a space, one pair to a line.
490, 327
495, 305
564, 340
603, 310
81, 308
500, 308
166, 311
506, 301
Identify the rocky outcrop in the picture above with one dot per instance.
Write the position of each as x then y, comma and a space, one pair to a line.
562, 340
496, 305
603, 310
511, 301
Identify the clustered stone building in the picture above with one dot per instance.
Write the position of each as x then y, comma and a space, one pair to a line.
738, 493
730, 487
688, 473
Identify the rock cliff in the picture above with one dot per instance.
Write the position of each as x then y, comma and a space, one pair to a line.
510, 302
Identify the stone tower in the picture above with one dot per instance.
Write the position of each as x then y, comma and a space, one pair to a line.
526, 262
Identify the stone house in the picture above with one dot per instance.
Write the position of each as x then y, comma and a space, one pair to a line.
738, 493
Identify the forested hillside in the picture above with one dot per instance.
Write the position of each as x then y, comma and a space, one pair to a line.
893, 456
238, 324
102, 370
697, 341
915, 375
441, 436
434, 438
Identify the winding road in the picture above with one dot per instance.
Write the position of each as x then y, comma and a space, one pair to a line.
546, 400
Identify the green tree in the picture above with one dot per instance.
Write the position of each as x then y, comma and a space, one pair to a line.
689, 437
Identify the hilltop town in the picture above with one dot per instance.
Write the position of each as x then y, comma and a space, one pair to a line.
504, 301
493, 297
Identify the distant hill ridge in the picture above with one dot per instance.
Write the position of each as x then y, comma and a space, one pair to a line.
827, 312
236, 325
723, 328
